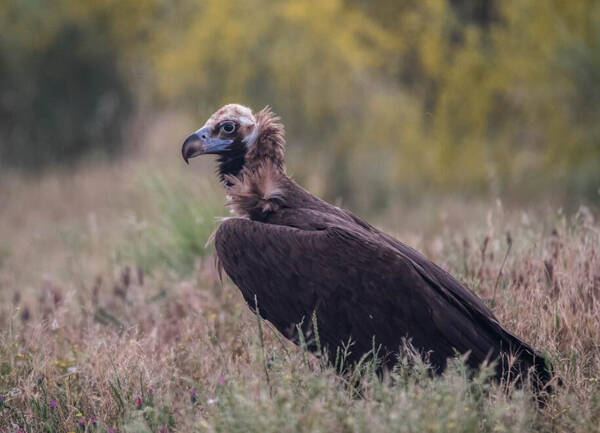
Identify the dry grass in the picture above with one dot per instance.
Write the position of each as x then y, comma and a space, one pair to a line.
99, 329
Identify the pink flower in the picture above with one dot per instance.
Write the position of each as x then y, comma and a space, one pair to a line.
111, 430
52, 403
163, 429
92, 420
150, 391
221, 380
138, 401
81, 421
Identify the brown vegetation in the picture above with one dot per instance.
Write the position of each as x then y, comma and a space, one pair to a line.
97, 327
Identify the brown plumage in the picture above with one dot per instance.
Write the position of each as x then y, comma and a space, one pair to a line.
298, 255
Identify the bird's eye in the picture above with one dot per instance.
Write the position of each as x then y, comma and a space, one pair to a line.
228, 127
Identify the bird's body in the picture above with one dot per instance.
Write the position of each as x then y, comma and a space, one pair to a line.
299, 257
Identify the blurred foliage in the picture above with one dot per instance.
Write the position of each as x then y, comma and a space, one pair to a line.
183, 232
385, 96
61, 93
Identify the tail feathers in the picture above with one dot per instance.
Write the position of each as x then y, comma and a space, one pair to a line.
529, 366
543, 366
542, 373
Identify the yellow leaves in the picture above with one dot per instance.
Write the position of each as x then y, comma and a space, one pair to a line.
352, 36
229, 46
219, 41
433, 40
126, 20
448, 99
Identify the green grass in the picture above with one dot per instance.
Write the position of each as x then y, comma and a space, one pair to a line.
180, 236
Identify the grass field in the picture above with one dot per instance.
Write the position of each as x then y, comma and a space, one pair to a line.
113, 318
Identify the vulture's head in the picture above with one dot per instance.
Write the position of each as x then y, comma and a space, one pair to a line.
240, 139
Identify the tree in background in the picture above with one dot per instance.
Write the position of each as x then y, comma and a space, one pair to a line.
477, 96
66, 88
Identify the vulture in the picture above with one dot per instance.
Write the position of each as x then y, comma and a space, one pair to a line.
297, 258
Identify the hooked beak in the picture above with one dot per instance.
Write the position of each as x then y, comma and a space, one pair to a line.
201, 143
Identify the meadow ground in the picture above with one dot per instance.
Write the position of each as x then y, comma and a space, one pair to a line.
112, 316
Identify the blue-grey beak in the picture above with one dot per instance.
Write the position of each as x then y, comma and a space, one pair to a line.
201, 143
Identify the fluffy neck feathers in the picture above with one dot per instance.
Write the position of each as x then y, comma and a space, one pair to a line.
264, 145
255, 178
269, 146
258, 192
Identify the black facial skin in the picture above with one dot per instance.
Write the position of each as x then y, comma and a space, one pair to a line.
223, 140
231, 162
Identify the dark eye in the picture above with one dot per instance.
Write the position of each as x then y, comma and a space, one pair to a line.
228, 127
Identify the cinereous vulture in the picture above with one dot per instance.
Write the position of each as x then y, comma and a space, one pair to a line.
299, 256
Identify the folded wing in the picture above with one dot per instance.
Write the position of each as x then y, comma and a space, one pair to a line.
359, 288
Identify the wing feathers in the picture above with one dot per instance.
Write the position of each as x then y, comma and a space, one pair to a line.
359, 287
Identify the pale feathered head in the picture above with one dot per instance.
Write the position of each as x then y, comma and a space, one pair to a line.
240, 138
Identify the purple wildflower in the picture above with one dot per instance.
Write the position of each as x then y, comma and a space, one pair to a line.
138, 402
150, 391
81, 421
221, 380
21, 430
52, 403
111, 430
92, 420
193, 395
